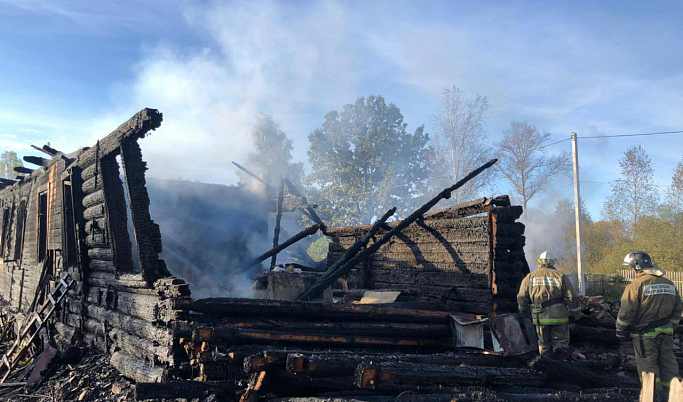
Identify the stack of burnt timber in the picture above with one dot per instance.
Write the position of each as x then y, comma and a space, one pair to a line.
470, 256
245, 348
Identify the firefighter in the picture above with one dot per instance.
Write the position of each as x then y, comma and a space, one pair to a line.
650, 311
550, 298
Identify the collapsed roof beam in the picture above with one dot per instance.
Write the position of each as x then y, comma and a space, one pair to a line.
50, 150
21, 169
305, 209
37, 160
45, 151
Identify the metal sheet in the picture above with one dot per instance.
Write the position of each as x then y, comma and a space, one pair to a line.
515, 333
373, 297
468, 332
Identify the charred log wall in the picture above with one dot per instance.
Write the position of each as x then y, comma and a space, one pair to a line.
471, 257
123, 300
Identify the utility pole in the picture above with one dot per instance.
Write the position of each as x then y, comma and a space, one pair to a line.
577, 215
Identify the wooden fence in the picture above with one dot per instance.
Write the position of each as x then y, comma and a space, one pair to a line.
629, 275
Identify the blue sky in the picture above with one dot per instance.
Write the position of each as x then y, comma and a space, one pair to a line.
72, 71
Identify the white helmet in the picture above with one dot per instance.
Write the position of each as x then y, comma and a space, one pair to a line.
546, 259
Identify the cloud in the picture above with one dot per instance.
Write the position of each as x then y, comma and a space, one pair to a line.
259, 57
16, 146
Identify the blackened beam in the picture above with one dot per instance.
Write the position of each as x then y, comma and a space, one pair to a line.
254, 176
21, 169
311, 212
306, 209
50, 150
291, 203
352, 251
37, 160
331, 276
47, 151
278, 219
7, 181
304, 233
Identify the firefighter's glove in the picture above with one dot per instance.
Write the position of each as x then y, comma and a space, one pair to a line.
623, 335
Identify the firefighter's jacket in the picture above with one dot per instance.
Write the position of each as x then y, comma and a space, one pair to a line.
549, 296
650, 305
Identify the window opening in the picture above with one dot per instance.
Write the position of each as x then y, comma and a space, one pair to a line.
119, 216
129, 217
42, 226
21, 218
5, 229
70, 228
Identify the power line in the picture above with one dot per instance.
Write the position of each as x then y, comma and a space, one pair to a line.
556, 142
589, 137
631, 135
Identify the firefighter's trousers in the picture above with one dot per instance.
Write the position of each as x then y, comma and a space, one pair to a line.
552, 337
658, 358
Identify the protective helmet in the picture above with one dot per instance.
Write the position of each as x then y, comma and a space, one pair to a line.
639, 260
546, 259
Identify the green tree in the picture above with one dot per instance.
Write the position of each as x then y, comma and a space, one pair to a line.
364, 161
524, 163
635, 193
8, 161
272, 154
674, 194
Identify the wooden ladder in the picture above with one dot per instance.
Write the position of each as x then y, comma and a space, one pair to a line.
34, 322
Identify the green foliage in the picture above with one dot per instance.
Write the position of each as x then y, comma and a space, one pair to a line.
272, 155
318, 249
8, 161
632, 220
364, 162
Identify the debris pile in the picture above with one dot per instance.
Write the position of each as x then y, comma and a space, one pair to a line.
253, 349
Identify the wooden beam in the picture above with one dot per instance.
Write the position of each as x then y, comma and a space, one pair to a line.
21, 169
257, 382
37, 160
50, 150
184, 389
353, 250
309, 211
278, 219
647, 393
304, 233
676, 391
7, 181
337, 312
45, 151
254, 176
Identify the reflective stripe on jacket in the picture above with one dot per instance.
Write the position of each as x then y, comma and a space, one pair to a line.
650, 297
547, 284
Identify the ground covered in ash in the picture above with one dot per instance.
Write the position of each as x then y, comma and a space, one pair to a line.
80, 375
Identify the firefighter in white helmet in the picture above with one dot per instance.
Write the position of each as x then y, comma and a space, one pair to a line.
550, 298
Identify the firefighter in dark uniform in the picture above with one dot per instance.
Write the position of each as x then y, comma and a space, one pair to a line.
650, 311
551, 299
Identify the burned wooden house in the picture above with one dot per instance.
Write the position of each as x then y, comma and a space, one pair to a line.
77, 235
80, 256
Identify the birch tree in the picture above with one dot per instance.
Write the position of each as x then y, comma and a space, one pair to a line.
461, 143
635, 193
524, 162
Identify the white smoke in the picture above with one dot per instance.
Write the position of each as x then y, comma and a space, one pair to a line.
260, 59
